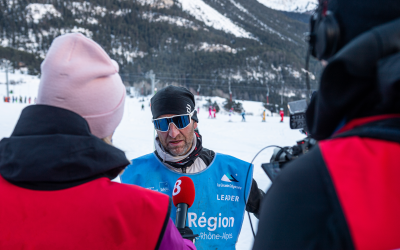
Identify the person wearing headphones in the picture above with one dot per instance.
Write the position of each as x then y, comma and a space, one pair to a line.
344, 193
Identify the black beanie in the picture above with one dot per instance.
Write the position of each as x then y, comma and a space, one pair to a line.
357, 16
173, 100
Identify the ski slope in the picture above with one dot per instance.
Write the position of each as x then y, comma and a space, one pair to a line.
299, 6
211, 17
135, 135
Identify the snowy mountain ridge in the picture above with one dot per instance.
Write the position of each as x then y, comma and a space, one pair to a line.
211, 17
299, 6
196, 8
211, 43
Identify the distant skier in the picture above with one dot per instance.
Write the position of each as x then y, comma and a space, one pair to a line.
198, 110
20, 99
282, 114
25, 100
209, 112
142, 106
215, 112
243, 115
29, 100
263, 116
230, 114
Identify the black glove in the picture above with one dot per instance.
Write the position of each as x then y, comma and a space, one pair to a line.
187, 233
254, 200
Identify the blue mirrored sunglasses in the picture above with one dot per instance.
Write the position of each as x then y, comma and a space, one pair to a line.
180, 121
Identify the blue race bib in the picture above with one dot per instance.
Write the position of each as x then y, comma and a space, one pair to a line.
222, 190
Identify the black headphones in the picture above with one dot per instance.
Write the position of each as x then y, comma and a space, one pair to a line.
324, 33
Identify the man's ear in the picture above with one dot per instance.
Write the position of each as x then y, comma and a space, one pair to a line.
195, 125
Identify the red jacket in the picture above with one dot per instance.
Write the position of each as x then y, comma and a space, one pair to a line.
343, 194
99, 214
365, 173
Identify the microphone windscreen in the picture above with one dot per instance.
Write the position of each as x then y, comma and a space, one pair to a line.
184, 191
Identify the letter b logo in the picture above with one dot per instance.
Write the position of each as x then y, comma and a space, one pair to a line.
177, 187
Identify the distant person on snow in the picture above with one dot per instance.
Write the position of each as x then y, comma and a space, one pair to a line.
29, 100
243, 115
230, 114
222, 182
263, 116
142, 106
210, 112
282, 114
58, 194
215, 112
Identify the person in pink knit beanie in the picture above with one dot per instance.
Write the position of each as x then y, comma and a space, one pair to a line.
57, 167
78, 75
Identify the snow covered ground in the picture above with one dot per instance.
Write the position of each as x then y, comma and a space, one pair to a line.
135, 135
24, 85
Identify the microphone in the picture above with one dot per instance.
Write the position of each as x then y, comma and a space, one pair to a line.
183, 197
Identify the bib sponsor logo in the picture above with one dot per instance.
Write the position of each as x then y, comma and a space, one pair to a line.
228, 186
211, 236
228, 178
152, 188
212, 223
164, 187
177, 188
227, 197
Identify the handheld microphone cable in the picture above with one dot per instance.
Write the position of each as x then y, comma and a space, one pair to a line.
308, 73
248, 171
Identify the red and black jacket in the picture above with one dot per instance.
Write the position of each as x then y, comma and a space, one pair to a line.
343, 194
56, 193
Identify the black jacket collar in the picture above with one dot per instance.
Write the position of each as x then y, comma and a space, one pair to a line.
52, 149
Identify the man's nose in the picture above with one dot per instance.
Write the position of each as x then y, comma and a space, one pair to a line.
173, 130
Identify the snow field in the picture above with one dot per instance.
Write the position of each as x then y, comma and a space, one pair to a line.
27, 85
135, 136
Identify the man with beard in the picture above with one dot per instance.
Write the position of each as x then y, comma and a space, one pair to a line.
344, 193
224, 185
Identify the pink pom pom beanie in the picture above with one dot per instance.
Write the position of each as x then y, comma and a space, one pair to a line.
78, 75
